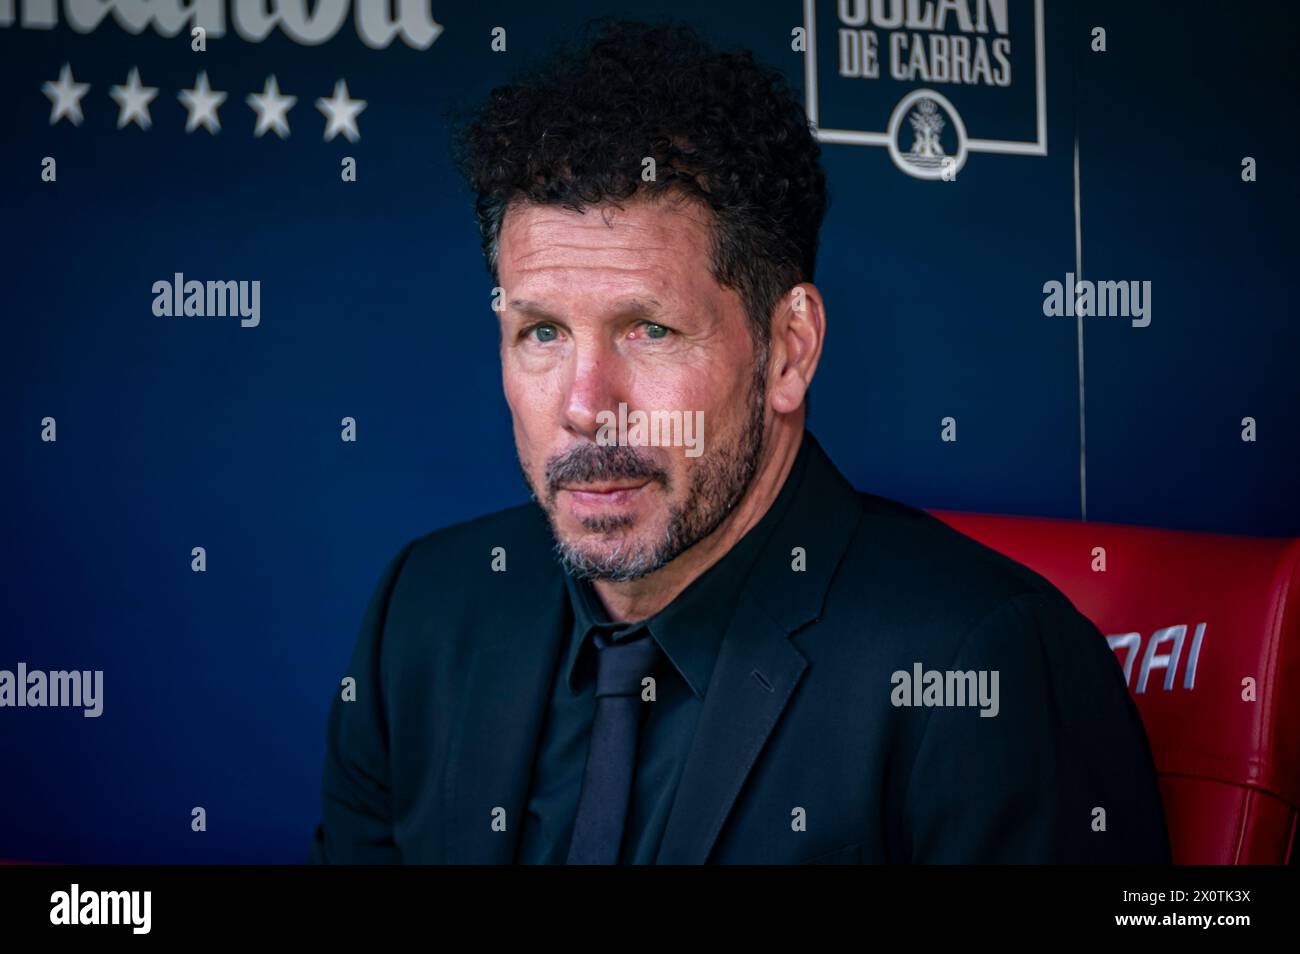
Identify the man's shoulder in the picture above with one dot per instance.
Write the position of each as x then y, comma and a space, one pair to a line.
913, 558
498, 565
524, 523
912, 589
900, 559
517, 537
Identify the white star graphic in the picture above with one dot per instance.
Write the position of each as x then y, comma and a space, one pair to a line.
201, 102
133, 101
271, 108
66, 96
341, 113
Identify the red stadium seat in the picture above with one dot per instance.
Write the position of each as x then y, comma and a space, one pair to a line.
1207, 629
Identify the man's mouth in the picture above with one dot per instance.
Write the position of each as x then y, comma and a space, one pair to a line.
606, 493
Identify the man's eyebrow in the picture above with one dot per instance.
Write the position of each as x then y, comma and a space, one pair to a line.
529, 307
638, 306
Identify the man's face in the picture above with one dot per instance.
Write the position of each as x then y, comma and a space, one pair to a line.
618, 306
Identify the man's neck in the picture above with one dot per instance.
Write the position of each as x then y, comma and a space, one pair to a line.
640, 599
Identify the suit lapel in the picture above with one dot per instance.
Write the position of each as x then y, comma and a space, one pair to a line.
517, 643
756, 673
758, 668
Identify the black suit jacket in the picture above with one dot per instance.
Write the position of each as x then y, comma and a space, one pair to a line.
800, 753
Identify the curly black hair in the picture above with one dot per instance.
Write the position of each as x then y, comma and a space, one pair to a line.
722, 129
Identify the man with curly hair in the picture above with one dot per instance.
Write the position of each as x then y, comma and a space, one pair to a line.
716, 651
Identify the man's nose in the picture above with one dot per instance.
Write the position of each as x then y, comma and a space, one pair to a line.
596, 385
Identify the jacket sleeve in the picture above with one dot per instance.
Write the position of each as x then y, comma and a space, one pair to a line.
356, 825
1062, 773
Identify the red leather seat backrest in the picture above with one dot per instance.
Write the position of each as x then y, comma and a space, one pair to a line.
1207, 629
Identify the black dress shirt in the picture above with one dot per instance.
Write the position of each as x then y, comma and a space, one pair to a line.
690, 631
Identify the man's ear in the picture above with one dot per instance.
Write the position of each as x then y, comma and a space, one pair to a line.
798, 332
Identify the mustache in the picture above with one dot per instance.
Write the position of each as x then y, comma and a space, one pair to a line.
590, 463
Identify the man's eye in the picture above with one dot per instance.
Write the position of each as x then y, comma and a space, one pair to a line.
545, 332
653, 330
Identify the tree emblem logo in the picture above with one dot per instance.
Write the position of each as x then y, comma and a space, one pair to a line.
927, 122
938, 136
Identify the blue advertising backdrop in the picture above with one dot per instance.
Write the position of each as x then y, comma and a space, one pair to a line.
183, 432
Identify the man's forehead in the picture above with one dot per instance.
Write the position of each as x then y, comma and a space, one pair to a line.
645, 255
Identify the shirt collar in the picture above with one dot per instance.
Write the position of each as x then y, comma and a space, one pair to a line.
689, 629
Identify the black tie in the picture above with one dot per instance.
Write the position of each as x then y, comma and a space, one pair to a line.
611, 758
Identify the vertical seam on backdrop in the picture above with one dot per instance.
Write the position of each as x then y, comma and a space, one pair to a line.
1078, 276
809, 73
